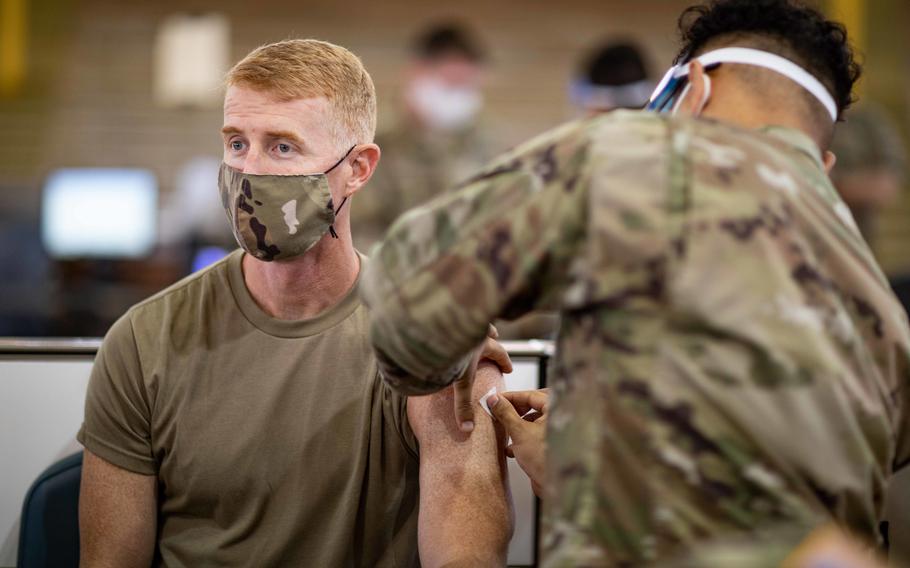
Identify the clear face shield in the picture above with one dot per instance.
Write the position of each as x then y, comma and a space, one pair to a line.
673, 87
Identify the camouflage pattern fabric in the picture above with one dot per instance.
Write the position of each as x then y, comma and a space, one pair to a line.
731, 361
276, 216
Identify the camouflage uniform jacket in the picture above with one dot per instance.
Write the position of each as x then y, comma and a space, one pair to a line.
731, 359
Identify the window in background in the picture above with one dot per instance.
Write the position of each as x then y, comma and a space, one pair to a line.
191, 57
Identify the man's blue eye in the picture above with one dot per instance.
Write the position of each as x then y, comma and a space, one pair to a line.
237, 145
284, 148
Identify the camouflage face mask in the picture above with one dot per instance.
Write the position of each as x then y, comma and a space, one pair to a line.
276, 217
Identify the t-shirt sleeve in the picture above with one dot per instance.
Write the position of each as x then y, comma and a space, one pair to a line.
117, 423
395, 407
493, 249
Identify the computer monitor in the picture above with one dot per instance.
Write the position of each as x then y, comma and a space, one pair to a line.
207, 256
99, 213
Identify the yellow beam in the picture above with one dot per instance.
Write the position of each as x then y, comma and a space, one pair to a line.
854, 15
12, 45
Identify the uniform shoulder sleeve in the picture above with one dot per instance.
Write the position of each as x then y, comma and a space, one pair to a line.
497, 247
117, 423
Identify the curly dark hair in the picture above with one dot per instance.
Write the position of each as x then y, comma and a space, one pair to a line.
448, 39
797, 31
615, 63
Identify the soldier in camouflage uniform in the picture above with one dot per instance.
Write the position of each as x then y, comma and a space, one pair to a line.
731, 369
437, 140
871, 164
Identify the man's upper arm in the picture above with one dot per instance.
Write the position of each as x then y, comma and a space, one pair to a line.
465, 503
446, 270
117, 422
117, 515
117, 501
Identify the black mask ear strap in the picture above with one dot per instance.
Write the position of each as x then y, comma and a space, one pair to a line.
338, 163
332, 227
343, 158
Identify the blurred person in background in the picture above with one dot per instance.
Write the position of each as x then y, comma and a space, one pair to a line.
870, 173
871, 164
437, 139
610, 77
732, 367
192, 220
237, 418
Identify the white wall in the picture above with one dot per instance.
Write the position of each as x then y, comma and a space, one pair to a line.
41, 412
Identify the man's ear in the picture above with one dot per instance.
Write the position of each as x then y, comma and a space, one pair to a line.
693, 102
366, 157
830, 160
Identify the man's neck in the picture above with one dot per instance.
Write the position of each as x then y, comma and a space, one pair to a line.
734, 105
770, 119
304, 287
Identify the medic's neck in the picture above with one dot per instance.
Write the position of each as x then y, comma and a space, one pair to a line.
733, 103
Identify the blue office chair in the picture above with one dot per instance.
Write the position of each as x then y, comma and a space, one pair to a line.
49, 529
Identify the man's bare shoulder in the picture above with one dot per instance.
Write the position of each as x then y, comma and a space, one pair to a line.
432, 419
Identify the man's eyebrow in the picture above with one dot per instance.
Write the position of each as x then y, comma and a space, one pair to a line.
286, 135
271, 134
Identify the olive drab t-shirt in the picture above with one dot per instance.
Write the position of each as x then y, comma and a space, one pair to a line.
275, 443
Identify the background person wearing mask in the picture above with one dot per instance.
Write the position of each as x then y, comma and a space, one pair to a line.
612, 76
871, 164
732, 365
436, 140
870, 173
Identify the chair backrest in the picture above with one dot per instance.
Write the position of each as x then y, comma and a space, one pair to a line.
49, 529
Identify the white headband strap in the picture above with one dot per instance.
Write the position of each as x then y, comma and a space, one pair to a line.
785, 67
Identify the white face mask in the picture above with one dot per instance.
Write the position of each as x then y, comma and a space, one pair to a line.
444, 107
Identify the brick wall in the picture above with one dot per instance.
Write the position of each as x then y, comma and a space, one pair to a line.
95, 107
89, 100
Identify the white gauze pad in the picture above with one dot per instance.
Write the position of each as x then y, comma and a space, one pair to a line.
484, 398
